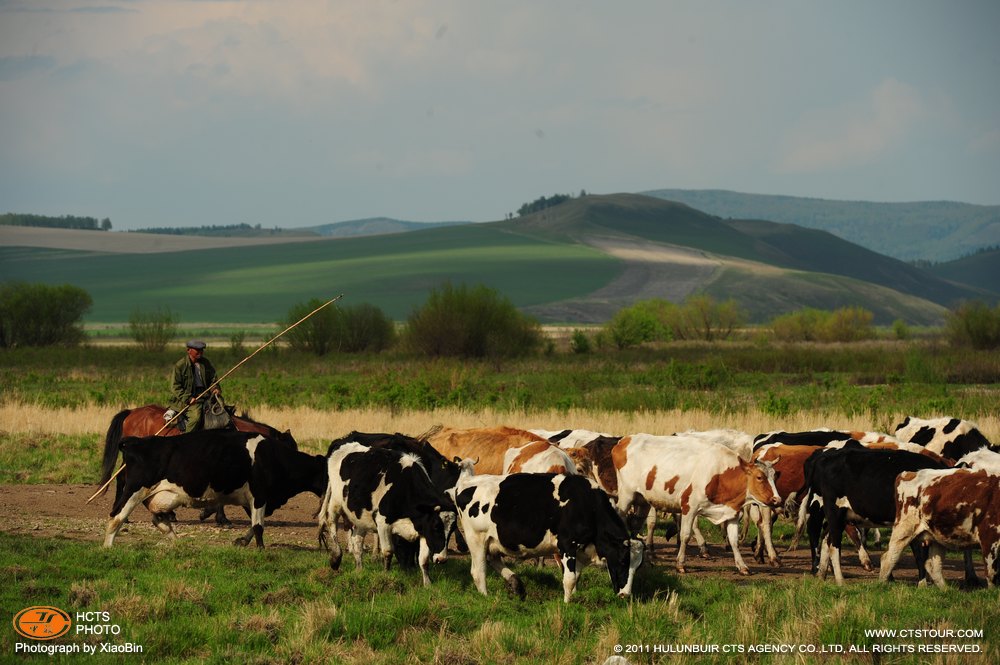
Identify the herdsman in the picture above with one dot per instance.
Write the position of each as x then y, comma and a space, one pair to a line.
193, 374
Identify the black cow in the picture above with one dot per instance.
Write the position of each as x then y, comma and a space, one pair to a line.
210, 468
948, 437
537, 514
387, 492
857, 485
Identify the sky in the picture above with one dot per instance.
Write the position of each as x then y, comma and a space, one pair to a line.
290, 113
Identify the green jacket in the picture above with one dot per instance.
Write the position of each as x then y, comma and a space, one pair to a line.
184, 380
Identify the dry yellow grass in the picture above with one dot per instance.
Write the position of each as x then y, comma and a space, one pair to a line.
311, 425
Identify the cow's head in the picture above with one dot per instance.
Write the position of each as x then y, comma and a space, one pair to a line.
434, 524
760, 482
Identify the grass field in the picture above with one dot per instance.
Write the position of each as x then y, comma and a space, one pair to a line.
197, 601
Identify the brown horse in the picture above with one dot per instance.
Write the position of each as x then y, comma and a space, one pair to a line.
148, 421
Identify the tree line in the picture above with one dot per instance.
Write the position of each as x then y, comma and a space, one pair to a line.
63, 222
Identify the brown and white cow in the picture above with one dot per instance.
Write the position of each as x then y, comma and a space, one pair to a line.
951, 508
486, 445
694, 478
538, 457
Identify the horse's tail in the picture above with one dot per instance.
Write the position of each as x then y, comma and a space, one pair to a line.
111, 441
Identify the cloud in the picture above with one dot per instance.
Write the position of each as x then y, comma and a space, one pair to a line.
853, 134
15, 67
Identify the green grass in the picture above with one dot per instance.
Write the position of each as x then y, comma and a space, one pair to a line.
187, 603
874, 379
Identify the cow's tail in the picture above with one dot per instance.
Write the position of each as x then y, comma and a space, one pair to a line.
324, 519
431, 432
111, 441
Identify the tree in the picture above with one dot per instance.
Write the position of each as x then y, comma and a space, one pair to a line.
152, 330
974, 324
106, 224
42, 314
471, 322
319, 334
352, 329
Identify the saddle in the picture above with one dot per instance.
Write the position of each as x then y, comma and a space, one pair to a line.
216, 414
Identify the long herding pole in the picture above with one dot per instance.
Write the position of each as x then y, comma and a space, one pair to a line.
177, 415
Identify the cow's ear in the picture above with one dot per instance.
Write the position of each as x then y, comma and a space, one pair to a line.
457, 459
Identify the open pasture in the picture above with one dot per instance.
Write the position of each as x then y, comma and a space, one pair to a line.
203, 600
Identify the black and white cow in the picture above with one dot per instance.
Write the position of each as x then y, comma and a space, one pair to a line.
210, 468
948, 437
443, 473
537, 514
387, 492
856, 485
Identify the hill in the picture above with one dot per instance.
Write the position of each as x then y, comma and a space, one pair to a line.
579, 261
982, 268
930, 230
371, 226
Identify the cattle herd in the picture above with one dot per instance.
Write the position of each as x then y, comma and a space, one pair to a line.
580, 496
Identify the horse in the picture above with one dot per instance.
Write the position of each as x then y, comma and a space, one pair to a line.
148, 421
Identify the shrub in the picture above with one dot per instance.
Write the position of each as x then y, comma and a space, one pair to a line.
579, 342
900, 330
366, 328
474, 322
352, 329
974, 324
801, 326
847, 324
635, 325
152, 330
701, 317
42, 315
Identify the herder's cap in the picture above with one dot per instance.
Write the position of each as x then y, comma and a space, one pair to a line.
196, 344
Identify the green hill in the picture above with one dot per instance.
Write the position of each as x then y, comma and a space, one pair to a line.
930, 230
579, 261
981, 268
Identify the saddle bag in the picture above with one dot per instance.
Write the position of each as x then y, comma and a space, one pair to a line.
216, 414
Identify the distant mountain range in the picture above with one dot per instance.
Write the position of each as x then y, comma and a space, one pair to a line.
371, 226
930, 230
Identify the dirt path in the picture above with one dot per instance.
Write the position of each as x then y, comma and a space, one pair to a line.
61, 511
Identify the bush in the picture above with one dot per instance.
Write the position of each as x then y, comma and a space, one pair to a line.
847, 324
42, 315
366, 328
656, 320
900, 330
152, 330
579, 342
638, 324
474, 322
351, 329
974, 324
702, 318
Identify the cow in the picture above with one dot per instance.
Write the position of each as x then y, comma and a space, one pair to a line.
538, 457
695, 478
210, 468
816, 437
948, 437
568, 438
487, 445
387, 492
738, 441
537, 514
954, 508
855, 485
442, 472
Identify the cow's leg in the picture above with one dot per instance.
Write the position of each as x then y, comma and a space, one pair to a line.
733, 535
857, 537
424, 560
765, 536
571, 572
991, 558
902, 533
121, 513
328, 513
165, 525
477, 557
700, 541
513, 581
833, 539
687, 525
256, 530
971, 579
356, 545
935, 558
384, 533
814, 526
650, 528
